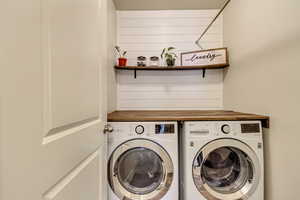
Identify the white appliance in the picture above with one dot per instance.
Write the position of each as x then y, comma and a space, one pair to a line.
222, 160
143, 161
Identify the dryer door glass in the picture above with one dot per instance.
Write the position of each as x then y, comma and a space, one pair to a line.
227, 170
140, 170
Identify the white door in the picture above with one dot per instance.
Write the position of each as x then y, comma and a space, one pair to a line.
52, 107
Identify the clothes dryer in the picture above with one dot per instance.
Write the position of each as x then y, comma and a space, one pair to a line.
222, 160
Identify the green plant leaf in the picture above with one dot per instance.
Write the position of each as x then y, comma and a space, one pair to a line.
173, 54
169, 56
162, 54
171, 48
117, 48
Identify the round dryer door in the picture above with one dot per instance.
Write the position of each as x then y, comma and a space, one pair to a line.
140, 169
226, 169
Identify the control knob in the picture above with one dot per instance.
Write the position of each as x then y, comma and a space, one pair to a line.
226, 129
139, 129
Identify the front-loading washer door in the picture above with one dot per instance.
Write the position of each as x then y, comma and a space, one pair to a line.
226, 169
140, 170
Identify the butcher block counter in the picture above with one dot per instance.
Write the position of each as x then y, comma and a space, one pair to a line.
184, 115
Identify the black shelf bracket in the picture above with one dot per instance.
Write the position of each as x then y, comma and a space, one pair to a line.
135, 74
203, 73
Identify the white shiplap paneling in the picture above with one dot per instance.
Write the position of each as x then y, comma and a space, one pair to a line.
147, 33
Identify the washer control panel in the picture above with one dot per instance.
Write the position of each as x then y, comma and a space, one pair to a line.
154, 128
131, 130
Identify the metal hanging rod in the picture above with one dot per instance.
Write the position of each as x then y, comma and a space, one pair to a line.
213, 21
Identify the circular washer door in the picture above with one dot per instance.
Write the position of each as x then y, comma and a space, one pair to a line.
226, 169
140, 169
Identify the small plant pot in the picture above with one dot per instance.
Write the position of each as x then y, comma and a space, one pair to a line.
170, 62
122, 62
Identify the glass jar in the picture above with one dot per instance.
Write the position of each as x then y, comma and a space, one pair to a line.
154, 61
141, 61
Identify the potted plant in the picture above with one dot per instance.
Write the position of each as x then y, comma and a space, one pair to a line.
122, 59
169, 56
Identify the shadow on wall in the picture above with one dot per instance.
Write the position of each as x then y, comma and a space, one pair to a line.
267, 153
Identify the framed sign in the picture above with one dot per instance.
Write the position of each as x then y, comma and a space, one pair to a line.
210, 57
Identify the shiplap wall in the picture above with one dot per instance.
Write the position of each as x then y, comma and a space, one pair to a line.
147, 33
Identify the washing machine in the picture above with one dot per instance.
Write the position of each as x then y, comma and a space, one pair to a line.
222, 160
143, 161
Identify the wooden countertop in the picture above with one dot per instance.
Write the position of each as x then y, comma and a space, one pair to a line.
184, 115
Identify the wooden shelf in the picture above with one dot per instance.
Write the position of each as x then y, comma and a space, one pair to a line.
185, 115
166, 68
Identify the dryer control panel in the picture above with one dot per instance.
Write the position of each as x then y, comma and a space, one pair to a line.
230, 128
223, 128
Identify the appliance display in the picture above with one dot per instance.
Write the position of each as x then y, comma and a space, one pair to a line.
143, 161
164, 128
250, 128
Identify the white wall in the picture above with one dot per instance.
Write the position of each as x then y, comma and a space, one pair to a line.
147, 33
264, 43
